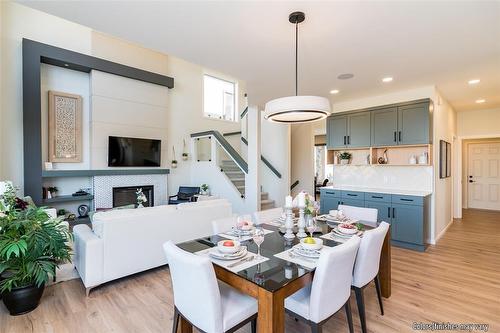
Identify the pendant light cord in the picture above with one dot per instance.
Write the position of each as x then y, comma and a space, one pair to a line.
296, 58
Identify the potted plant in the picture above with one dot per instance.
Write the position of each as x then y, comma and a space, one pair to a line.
32, 245
53, 191
344, 157
204, 189
141, 198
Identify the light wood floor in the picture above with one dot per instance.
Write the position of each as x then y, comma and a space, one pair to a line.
456, 281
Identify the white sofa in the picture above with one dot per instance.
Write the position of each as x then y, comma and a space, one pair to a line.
128, 241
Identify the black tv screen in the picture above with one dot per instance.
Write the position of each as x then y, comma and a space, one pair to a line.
133, 152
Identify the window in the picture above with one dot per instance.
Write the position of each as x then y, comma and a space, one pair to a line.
219, 98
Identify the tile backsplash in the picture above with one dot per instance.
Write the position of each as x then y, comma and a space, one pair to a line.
418, 178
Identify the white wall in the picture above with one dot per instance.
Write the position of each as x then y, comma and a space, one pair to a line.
477, 123
302, 157
444, 129
275, 147
20, 22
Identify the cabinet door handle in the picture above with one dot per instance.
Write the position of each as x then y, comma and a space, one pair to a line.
348, 139
345, 140
395, 138
399, 136
352, 195
326, 192
393, 212
406, 199
376, 197
389, 212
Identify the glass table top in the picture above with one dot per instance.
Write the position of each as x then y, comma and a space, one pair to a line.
274, 273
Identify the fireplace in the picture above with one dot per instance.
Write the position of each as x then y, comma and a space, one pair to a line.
123, 196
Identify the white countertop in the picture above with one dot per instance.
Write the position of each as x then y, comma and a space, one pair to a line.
378, 190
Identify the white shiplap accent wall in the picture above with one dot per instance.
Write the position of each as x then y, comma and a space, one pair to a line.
125, 107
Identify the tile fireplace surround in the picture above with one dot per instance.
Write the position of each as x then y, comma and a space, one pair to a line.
103, 188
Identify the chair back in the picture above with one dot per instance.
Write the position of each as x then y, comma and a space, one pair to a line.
267, 215
224, 224
368, 258
331, 286
193, 278
186, 192
369, 215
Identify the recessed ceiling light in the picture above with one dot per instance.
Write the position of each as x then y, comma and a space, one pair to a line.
480, 101
387, 79
345, 76
334, 91
474, 81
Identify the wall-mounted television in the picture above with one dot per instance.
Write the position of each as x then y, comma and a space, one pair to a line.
133, 152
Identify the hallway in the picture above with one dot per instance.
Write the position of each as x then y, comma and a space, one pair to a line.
456, 281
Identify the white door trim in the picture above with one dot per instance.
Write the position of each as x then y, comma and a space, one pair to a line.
457, 186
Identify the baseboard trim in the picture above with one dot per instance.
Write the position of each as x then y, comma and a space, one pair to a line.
441, 234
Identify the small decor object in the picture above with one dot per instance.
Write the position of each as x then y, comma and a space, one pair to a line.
65, 127
289, 218
173, 164
185, 155
344, 157
141, 198
423, 158
204, 189
368, 159
383, 159
83, 211
301, 204
48, 166
32, 246
52, 192
413, 159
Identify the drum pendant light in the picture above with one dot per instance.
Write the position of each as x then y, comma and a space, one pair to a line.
297, 109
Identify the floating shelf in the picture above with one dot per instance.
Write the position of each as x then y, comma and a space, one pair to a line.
397, 155
105, 172
68, 198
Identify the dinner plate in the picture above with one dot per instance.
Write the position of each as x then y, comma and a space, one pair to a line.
239, 232
299, 250
339, 233
215, 253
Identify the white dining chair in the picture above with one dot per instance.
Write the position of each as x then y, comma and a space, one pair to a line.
210, 306
367, 215
267, 215
227, 223
330, 289
366, 268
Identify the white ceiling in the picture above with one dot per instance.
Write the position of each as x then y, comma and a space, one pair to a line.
417, 42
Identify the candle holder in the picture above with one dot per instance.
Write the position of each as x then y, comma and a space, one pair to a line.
302, 223
289, 224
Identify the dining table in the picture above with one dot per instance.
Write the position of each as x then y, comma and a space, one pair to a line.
273, 280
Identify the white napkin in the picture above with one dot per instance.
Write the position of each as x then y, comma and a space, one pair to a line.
229, 235
310, 263
226, 263
333, 237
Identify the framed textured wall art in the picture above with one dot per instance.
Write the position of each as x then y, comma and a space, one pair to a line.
65, 127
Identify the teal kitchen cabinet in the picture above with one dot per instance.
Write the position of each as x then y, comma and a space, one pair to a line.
329, 200
336, 132
408, 221
384, 213
384, 123
359, 130
414, 124
349, 131
352, 202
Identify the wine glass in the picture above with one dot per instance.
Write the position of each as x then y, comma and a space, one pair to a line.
311, 225
258, 238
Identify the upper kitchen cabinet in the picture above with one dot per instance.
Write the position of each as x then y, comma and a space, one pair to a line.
414, 126
385, 127
349, 131
336, 132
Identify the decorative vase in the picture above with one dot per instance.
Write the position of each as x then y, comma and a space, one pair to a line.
22, 300
140, 205
344, 162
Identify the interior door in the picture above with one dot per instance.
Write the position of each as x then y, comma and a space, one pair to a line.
483, 177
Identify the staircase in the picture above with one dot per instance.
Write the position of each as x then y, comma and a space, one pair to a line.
237, 177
